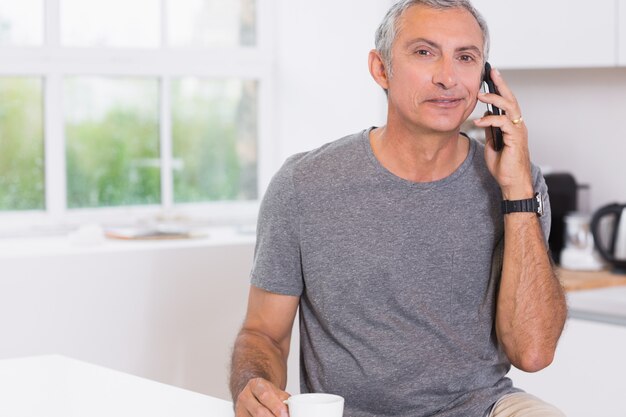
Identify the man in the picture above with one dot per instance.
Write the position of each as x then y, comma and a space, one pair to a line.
416, 292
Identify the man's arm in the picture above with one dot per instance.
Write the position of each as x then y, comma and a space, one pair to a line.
259, 363
531, 309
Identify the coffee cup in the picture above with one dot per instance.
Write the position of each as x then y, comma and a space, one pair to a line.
315, 405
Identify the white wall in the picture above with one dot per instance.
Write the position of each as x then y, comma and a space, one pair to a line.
576, 123
324, 89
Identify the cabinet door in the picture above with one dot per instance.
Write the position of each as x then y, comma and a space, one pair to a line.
621, 27
587, 375
551, 34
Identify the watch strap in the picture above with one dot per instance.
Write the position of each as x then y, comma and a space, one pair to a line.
529, 205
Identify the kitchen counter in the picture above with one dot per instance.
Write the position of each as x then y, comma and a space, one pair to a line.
583, 280
596, 296
605, 305
57, 386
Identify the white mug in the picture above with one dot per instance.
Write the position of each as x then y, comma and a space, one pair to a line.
315, 405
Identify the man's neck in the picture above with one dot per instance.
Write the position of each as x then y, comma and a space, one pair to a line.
419, 156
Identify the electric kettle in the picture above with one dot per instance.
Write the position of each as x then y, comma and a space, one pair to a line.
608, 226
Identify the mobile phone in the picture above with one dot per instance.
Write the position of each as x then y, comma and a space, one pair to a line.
496, 132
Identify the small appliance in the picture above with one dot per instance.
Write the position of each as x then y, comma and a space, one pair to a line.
608, 226
579, 253
563, 194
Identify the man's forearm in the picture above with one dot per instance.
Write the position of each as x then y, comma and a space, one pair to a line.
256, 356
531, 308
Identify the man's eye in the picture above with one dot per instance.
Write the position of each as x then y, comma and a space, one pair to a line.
422, 52
466, 58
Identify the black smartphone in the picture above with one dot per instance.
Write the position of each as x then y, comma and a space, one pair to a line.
496, 132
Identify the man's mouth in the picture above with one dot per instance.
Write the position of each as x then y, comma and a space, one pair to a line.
445, 102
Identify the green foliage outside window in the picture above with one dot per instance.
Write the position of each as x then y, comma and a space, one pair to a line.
112, 151
113, 147
214, 140
21, 144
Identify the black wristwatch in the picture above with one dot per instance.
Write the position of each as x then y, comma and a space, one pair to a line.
530, 205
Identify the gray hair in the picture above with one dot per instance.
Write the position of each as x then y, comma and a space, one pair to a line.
388, 29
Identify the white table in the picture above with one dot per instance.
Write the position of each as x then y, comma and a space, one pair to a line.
56, 386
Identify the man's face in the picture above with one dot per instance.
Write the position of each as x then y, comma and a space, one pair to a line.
437, 61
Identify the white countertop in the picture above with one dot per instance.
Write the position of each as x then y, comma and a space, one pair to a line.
56, 386
607, 305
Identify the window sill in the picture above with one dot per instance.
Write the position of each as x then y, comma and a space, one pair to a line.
28, 247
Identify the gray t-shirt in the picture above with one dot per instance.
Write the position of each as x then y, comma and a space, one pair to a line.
397, 279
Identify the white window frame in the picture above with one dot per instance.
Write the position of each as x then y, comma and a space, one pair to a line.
52, 62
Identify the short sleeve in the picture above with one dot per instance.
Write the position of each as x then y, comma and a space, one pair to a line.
277, 264
541, 187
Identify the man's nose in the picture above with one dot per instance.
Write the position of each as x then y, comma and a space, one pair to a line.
445, 73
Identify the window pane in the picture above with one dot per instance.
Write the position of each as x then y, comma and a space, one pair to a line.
21, 22
211, 22
112, 139
214, 139
114, 23
21, 144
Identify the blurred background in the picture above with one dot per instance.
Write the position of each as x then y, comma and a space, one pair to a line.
137, 138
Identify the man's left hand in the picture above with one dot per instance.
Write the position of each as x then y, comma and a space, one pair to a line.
511, 166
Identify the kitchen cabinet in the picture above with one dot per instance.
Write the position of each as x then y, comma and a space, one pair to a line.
553, 34
621, 39
586, 377
168, 310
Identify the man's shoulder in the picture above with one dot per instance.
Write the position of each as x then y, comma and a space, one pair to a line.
328, 159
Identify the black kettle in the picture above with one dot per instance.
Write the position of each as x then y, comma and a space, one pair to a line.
608, 226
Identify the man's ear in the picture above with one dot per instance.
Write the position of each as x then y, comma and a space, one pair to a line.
378, 70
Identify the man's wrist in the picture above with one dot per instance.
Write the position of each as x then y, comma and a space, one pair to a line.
518, 193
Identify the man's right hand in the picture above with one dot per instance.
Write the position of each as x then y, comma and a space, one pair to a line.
261, 398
